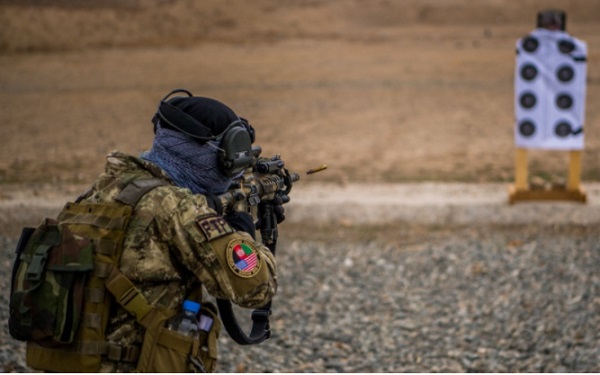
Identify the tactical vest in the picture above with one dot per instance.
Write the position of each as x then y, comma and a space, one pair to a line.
66, 277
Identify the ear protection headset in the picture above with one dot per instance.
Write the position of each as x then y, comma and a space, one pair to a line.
235, 142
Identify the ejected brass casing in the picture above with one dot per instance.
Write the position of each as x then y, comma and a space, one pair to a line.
318, 169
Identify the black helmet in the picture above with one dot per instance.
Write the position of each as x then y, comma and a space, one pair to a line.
206, 119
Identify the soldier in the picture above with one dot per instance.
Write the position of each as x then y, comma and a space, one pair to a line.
176, 243
96, 288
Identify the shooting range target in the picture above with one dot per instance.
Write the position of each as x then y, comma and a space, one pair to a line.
550, 79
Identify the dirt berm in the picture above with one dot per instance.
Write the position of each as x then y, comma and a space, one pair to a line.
380, 91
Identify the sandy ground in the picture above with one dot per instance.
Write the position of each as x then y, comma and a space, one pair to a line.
395, 91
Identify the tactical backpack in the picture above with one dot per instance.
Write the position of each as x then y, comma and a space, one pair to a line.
65, 278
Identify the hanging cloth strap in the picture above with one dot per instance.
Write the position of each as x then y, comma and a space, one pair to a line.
261, 329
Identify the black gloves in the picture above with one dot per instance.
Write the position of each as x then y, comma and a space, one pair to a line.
278, 209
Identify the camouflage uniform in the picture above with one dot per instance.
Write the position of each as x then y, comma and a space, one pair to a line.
175, 244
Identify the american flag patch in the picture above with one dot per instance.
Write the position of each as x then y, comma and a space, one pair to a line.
242, 258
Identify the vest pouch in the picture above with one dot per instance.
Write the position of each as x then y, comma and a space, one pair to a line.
164, 350
47, 286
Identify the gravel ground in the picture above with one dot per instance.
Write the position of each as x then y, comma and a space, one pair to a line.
427, 299
484, 300
474, 285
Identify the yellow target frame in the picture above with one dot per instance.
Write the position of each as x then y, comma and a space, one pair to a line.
521, 190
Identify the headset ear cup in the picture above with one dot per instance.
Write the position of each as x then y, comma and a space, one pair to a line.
236, 151
249, 128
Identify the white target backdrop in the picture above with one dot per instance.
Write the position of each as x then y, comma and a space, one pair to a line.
550, 84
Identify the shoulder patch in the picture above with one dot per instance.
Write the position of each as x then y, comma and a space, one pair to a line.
214, 227
242, 258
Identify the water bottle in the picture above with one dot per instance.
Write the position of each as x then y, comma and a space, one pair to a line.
186, 322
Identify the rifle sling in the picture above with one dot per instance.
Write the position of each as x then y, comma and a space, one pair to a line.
261, 329
260, 323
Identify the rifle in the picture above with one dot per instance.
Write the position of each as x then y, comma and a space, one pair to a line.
257, 192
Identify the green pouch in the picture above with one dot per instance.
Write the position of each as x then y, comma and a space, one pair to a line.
47, 285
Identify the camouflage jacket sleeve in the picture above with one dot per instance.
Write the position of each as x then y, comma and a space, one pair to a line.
230, 264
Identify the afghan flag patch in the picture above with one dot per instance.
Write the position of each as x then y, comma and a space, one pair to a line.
242, 258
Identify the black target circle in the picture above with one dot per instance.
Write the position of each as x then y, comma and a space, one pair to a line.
565, 73
527, 128
564, 101
530, 44
527, 100
563, 129
566, 46
528, 72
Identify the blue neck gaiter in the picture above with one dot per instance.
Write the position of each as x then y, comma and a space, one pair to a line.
189, 164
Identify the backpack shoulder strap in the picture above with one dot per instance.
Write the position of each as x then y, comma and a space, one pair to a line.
125, 292
136, 189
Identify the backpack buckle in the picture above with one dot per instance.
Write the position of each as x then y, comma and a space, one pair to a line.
122, 353
38, 262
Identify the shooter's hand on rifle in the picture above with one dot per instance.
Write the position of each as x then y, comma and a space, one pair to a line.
278, 210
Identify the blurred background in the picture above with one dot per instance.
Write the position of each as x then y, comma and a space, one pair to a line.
377, 274
384, 91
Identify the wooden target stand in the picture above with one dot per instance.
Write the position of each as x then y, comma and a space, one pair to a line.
521, 190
